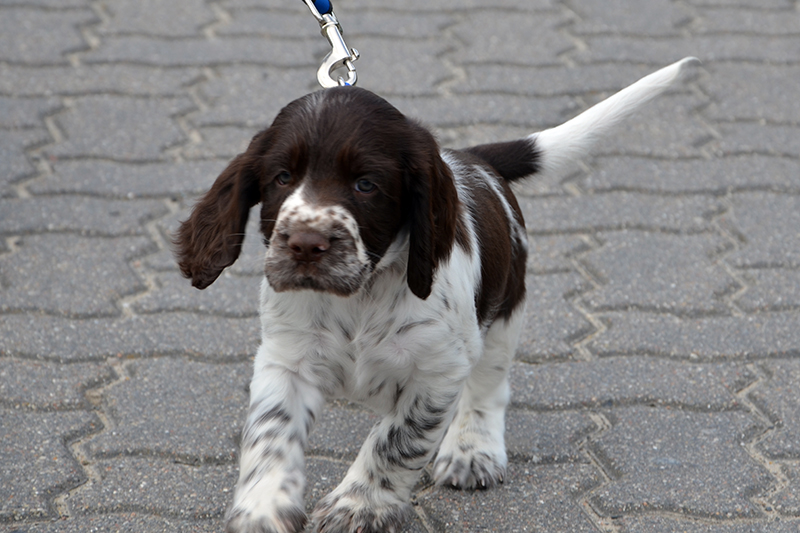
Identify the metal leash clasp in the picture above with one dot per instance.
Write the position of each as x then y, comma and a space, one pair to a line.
340, 55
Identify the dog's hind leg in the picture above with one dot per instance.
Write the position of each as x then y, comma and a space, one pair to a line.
473, 454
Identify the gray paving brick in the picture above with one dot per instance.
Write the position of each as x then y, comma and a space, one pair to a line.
14, 163
199, 411
774, 290
753, 4
41, 37
26, 112
659, 272
152, 17
787, 501
551, 324
749, 337
48, 274
623, 381
673, 176
767, 245
546, 438
778, 49
676, 461
666, 524
533, 498
63, 339
780, 398
755, 137
410, 5
121, 128
35, 464
127, 522
121, 180
661, 18
219, 142
200, 51
340, 431
134, 80
88, 216
40, 385
555, 80
616, 211
761, 21
548, 254
766, 94
486, 40
229, 296
154, 486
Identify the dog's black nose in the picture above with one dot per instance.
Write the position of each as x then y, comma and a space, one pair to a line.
308, 246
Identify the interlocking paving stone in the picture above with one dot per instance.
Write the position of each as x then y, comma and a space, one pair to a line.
175, 408
685, 462
14, 163
765, 96
659, 272
664, 524
88, 216
155, 486
548, 254
38, 385
551, 324
533, 498
48, 274
120, 180
778, 49
617, 210
661, 18
780, 399
749, 337
133, 80
774, 290
200, 51
26, 112
548, 80
759, 4
719, 174
787, 501
65, 339
121, 128
756, 137
233, 296
130, 522
39, 36
340, 431
35, 464
152, 17
487, 42
767, 245
622, 381
761, 21
546, 438
412, 5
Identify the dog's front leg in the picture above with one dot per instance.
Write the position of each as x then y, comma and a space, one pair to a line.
374, 495
269, 494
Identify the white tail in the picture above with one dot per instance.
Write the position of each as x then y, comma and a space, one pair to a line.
564, 144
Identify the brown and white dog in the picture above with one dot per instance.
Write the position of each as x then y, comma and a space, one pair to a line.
395, 279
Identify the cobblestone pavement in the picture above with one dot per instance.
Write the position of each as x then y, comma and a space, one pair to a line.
658, 382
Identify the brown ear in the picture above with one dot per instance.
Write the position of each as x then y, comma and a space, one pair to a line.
211, 239
434, 205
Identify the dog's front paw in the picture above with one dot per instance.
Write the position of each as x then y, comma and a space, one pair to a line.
354, 512
469, 470
285, 520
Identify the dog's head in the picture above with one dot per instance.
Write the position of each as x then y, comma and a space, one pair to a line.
340, 175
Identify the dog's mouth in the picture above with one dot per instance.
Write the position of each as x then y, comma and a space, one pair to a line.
311, 261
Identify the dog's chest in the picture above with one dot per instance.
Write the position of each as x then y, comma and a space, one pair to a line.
370, 346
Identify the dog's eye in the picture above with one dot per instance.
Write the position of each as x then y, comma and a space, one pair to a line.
283, 178
365, 186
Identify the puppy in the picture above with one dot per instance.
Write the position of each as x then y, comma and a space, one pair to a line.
395, 279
